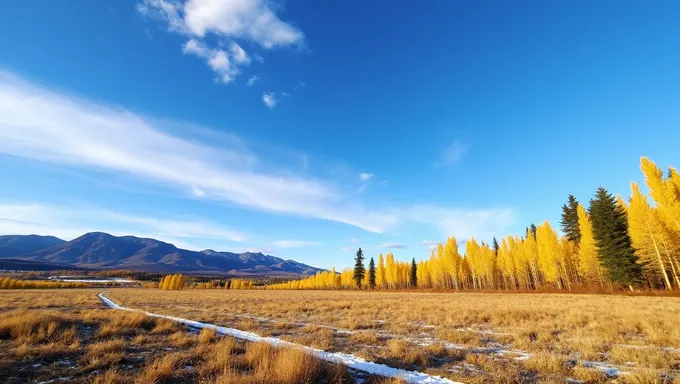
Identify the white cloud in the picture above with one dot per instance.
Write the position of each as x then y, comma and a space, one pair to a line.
431, 245
453, 153
252, 80
392, 246
462, 223
365, 176
39, 124
73, 221
250, 20
239, 55
269, 99
42, 125
294, 243
218, 60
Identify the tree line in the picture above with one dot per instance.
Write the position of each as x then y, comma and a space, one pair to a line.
9, 283
179, 281
612, 243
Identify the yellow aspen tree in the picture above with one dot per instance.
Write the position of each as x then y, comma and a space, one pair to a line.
663, 192
523, 266
380, 273
473, 254
505, 264
433, 268
452, 260
548, 253
646, 233
531, 254
489, 267
566, 256
588, 263
390, 271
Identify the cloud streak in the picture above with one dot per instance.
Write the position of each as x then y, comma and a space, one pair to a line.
392, 246
43, 125
295, 243
453, 154
39, 124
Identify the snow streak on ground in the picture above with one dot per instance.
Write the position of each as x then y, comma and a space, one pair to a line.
348, 360
426, 340
77, 279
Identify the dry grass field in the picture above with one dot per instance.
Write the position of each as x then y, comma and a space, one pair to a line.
68, 336
468, 337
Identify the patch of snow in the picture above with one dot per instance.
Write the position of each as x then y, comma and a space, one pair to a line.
54, 380
607, 369
351, 361
76, 279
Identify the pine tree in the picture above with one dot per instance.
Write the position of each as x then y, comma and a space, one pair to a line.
533, 229
494, 244
570, 220
359, 269
614, 249
371, 274
414, 274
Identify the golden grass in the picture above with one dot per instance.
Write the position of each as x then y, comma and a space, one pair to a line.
207, 335
411, 329
161, 369
120, 347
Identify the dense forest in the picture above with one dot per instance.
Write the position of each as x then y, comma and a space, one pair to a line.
614, 243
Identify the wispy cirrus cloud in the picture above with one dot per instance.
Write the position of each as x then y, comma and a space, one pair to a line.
365, 176
43, 125
48, 126
453, 154
252, 80
295, 243
392, 246
464, 223
253, 21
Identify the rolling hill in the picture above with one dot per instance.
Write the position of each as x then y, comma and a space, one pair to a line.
98, 250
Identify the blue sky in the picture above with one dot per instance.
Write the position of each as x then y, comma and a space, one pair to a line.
306, 129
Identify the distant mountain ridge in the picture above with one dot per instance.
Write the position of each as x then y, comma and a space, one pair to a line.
99, 250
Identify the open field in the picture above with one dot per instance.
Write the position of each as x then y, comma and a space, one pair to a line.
467, 337
69, 336
463, 336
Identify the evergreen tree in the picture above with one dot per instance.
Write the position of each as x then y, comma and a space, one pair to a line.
359, 269
371, 274
414, 274
570, 220
532, 228
495, 245
614, 249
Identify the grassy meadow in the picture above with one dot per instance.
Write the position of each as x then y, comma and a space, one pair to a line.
466, 337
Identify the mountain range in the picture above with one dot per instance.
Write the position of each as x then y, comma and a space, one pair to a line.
98, 250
